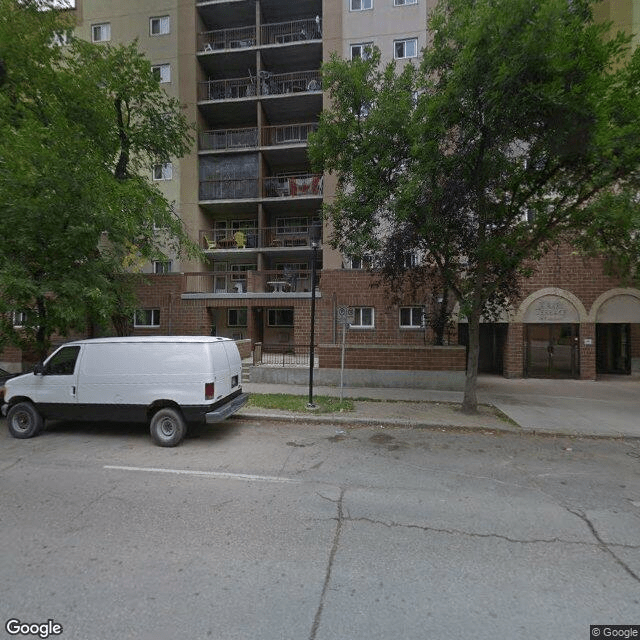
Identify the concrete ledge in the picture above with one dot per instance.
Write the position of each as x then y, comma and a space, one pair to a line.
436, 380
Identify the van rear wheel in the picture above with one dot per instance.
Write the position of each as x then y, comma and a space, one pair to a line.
167, 427
24, 421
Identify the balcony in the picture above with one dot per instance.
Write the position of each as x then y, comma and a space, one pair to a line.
221, 39
247, 138
268, 84
291, 283
304, 185
278, 33
281, 237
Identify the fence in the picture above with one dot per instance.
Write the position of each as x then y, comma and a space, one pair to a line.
281, 355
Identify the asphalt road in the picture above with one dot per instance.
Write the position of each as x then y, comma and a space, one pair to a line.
280, 531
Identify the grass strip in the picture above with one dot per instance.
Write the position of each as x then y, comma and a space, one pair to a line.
288, 402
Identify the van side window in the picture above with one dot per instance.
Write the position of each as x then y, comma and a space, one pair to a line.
63, 362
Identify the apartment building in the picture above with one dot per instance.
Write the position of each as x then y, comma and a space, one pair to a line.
248, 73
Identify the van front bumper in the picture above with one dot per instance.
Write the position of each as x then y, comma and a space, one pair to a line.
227, 409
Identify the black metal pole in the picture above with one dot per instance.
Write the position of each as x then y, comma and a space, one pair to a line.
313, 324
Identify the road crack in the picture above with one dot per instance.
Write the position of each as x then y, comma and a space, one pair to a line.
606, 546
497, 536
334, 549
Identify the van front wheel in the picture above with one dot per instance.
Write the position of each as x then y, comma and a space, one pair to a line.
168, 428
24, 420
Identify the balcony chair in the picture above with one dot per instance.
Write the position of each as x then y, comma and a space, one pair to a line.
241, 239
211, 244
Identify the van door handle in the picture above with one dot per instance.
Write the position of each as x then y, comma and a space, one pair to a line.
73, 391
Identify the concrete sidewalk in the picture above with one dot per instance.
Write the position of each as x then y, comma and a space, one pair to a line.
608, 407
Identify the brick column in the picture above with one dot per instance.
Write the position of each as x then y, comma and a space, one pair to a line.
514, 351
587, 347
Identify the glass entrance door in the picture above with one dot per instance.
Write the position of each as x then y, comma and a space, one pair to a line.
552, 351
613, 352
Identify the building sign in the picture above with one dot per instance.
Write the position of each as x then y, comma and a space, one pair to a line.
551, 309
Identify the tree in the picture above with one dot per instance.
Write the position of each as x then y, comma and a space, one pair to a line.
80, 125
521, 117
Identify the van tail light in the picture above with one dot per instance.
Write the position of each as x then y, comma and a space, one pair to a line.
209, 390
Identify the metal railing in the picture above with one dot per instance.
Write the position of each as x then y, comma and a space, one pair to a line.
221, 139
267, 84
253, 238
247, 138
287, 133
281, 355
229, 189
302, 185
274, 282
295, 31
236, 38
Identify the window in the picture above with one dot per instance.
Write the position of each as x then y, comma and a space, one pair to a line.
363, 262
237, 317
162, 73
361, 50
159, 26
163, 171
361, 5
362, 318
62, 362
19, 318
60, 38
147, 318
399, 3
280, 317
162, 266
405, 48
411, 317
101, 32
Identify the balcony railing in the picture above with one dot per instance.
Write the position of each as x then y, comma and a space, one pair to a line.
296, 31
287, 134
228, 139
252, 238
221, 139
236, 38
292, 186
267, 84
275, 282
270, 34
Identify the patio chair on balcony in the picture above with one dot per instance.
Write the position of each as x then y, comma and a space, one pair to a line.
241, 239
210, 244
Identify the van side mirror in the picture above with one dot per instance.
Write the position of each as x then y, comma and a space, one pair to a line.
38, 370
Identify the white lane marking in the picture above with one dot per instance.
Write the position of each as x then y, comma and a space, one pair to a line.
212, 474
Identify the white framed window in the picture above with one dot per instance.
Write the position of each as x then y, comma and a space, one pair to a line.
161, 266
280, 317
159, 26
162, 171
411, 317
361, 5
363, 318
101, 32
60, 38
362, 50
19, 319
405, 48
237, 317
161, 72
400, 3
363, 262
147, 318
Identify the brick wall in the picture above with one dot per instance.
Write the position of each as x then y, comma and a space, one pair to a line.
399, 358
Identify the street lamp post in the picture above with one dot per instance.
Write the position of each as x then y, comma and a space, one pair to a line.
315, 234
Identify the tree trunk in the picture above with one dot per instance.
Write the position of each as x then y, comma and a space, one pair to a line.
470, 400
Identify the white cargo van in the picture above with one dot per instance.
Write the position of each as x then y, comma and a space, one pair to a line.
168, 381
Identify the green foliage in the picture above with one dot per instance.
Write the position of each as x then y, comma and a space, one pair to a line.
287, 402
519, 118
79, 126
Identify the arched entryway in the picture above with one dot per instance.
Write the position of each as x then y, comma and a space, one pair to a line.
617, 316
552, 334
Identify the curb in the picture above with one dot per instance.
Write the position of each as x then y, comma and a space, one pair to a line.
426, 426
